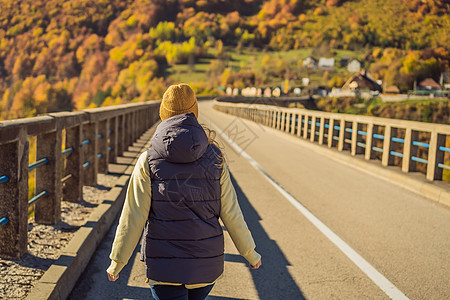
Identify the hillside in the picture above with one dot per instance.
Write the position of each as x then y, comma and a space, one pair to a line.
68, 55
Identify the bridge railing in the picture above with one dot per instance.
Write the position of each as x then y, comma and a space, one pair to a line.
91, 138
413, 146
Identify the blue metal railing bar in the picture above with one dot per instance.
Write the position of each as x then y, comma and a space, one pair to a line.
85, 142
110, 131
309, 122
362, 145
67, 151
337, 127
418, 159
327, 126
396, 154
3, 221
100, 136
37, 197
317, 124
420, 144
86, 164
99, 155
349, 130
442, 166
378, 136
362, 132
40, 162
4, 179
64, 179
398, 140
377, 149
109, 148
303, 120
444, 149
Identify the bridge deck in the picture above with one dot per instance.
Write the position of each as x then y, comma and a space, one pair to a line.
403, 236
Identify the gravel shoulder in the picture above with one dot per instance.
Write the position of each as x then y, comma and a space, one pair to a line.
46, 241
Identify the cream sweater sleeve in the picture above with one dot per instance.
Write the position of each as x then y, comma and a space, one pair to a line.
233, 220
134, 215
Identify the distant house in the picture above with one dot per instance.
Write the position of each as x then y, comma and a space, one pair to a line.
310, 62
344, 61
326, 63
392, 90
362, 81
429, 84
354, 66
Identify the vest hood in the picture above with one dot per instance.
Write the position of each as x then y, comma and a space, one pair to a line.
180, 139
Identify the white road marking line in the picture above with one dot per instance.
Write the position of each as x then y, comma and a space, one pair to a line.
382, 282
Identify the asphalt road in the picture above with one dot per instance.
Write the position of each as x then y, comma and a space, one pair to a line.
400, 235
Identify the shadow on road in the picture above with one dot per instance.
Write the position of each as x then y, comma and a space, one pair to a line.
272, 280
94, 284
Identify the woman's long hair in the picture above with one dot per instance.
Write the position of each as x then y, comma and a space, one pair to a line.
211, 134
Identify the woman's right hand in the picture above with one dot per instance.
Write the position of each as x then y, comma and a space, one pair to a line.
112, 277
256, 266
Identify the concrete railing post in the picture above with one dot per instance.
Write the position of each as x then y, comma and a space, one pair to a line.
141, 123
407, 150
121, 133
312, 137
277, 118
103, 132
435, 157
73, 188
90, 132
14, 196
321, 130
126, 131
387, 144
136, 126
287, 122
293, 123
369, 141
306, 127
274, 119
299, 125
130, 129
113, 139
341, 135
48, 177
354, 137
330, 132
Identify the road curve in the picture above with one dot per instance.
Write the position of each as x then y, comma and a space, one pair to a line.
403, 236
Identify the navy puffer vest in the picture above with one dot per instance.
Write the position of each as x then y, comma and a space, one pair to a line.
183, 240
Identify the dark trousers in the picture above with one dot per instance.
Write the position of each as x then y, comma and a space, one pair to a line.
179, 292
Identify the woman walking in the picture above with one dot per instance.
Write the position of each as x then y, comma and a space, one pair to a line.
179, 189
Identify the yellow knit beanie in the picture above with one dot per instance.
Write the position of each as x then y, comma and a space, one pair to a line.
178, 99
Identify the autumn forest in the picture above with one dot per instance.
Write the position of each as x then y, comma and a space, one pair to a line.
75, 54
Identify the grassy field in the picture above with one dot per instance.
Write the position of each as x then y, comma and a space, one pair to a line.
248, 59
